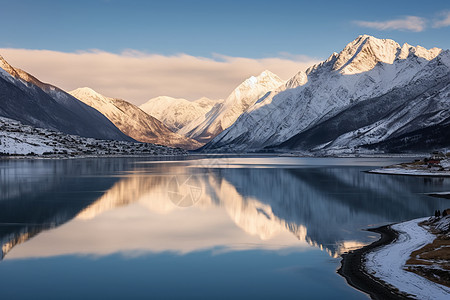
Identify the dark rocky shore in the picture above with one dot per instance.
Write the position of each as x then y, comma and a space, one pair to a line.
352, 268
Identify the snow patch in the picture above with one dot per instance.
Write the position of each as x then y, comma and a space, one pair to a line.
19, 139
387, 263
402, 171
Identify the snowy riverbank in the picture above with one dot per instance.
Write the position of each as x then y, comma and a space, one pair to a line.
387, 263
437, 165
411, 172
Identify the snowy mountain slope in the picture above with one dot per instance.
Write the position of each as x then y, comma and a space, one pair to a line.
25, 98
434, 137
358, 81
423, 124
19, 139
177, 113
401, 110
132, 121
420, 113
225, 114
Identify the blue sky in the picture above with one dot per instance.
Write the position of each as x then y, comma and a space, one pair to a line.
236, 28
137, 50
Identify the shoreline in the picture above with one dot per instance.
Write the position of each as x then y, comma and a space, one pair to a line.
444, 195
187, 154
430, 174
352, 268
62, 157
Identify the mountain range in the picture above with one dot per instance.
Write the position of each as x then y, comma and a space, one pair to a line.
26, 99
176, 113
132, 121
374, 95
223, 115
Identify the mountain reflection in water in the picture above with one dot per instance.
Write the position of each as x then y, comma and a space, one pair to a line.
133, 206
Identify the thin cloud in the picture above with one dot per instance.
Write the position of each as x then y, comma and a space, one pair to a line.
444, 21
137, 77
408, 23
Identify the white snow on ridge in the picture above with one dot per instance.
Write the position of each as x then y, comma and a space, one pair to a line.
367, 68
133, 121
225, 114
387, 262
177, 113
364, 53
434, 107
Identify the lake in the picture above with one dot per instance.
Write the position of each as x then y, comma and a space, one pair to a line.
211, 227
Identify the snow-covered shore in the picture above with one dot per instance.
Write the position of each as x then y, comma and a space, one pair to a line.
411, 172
437, 165
387, 263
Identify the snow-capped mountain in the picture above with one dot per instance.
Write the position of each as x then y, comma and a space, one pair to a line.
132, 121
177, 113
371, 91
26, 99
223, 115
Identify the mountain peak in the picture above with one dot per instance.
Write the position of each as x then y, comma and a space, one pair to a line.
266, 77
266, 73
85, 91
367, 36
418, 51
363, 53
8, 68
2, 60
167, 98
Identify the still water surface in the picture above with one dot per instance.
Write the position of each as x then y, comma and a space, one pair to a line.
203, 228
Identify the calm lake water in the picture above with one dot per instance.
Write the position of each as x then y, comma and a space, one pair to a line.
199, 228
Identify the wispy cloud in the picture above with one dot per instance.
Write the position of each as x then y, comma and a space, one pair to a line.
443, 21
137, 76
408, 23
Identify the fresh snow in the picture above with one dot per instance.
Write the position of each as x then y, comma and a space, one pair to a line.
387, 263
176, 113
225, 114
132, 121
366, 69
19, 139
421, 112
403, 171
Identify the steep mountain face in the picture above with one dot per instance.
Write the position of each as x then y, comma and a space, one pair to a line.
134, 122
415, 106
223, 115
428, 129
26, 99
177, 113
371, 91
